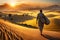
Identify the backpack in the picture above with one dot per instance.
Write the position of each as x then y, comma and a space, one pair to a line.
47, 21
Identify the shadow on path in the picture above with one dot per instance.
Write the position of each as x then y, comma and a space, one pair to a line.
50, 37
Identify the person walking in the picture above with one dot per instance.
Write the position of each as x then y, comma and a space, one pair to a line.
42, 19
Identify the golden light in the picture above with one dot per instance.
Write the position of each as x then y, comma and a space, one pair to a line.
12, 3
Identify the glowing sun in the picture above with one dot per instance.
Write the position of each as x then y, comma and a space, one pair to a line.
12, 3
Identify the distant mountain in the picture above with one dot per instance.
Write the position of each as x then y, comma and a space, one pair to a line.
28, 7
4, 6
53, 7
21, 7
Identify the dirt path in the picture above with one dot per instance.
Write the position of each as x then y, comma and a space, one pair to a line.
15, 32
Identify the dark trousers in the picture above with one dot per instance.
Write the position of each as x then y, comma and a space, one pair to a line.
40, 25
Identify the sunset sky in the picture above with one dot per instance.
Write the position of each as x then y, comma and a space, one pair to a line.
27, 1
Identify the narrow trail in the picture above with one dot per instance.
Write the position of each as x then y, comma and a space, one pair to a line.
8, 34
10, 31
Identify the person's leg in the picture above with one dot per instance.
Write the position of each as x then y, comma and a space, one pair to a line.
41, 27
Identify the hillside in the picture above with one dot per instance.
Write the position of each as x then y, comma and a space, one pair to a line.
53, 7
16, 32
